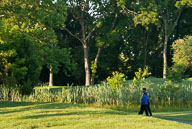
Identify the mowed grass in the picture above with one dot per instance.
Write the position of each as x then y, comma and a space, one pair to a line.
68, 116
185, 116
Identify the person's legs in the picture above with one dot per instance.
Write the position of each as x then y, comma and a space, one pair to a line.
141, 110
146, 110
149, 109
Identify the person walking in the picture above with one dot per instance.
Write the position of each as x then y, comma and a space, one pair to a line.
144, 104
148, 106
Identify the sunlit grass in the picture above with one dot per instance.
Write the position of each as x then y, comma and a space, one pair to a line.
178, 116
68, 116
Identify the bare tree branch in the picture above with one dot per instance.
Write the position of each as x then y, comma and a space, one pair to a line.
73, 34
90, 33
130, 11
113, 24
99, 48
85, 5
95, 62
175, 23
2, 16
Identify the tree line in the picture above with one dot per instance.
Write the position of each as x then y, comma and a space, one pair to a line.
81, 42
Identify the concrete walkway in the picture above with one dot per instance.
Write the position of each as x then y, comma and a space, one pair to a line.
185, 122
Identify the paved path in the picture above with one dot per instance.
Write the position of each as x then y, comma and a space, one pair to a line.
185, 122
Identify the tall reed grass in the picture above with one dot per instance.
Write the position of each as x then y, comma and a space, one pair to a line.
166, 94
8, 93
161, 94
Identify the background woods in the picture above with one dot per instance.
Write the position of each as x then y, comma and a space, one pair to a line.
78, 42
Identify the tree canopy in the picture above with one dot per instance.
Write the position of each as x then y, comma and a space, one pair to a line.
83, 42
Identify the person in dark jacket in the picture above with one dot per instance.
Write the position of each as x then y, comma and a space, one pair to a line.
149, 109
144, 104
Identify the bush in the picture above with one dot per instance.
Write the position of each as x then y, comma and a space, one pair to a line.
116, 80
175, 73
182, 53
140, 76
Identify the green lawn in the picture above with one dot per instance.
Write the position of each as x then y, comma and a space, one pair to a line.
68, 116
177, 116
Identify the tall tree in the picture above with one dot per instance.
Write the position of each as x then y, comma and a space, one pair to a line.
37, 20
53, 15
166, 14
108, 33
90, 14
17, 52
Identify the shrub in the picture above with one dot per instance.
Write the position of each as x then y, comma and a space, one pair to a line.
116, 80
140, 76
175, 73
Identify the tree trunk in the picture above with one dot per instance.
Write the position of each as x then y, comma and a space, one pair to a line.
6, 70
5, 74
96, 60
99, 49
145, 49
165, 59
86, 65
165, 49
51, 76
168, 29
85, 47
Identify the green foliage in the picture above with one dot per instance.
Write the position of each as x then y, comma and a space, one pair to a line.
10, 93
32, 37
162, 94
185, 3
4, 92
121, 3
116, 80
27, 87
16, 51
55, 56
99, 24
175, 73
182, 52
182, 56
147, 16
49, 94
93, 67
171, 89
140, 76
123, 58
100, 43
27, 35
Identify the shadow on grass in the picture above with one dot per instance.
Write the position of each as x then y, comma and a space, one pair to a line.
75, 113
5, 104
58, 106
183, 117
13, 107
26, 106
76, 109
